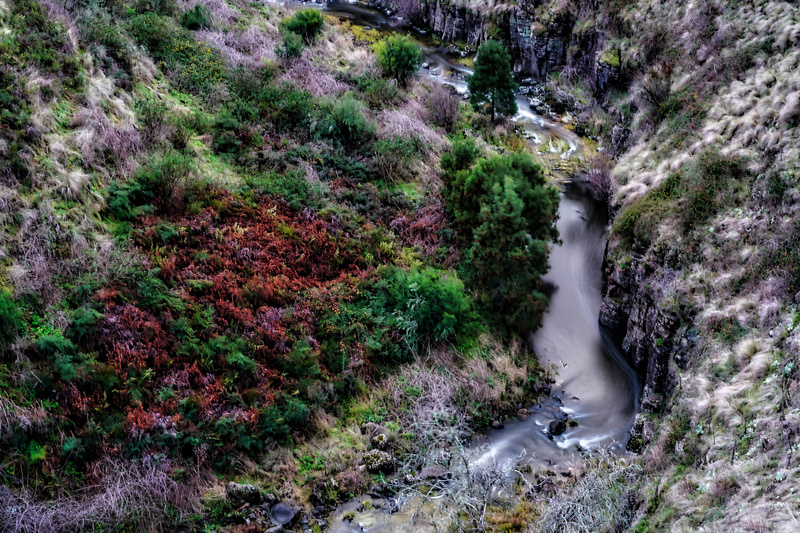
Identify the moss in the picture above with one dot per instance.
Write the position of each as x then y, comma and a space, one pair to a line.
610, 57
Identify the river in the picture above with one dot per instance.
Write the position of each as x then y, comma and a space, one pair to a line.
595, 386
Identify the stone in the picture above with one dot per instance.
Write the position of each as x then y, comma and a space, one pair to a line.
284, 513
496, 424
245, 493
523, 413
276, 529
557, 427
380, 441
378, 461
434, 472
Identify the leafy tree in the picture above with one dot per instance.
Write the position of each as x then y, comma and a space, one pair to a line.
492, 82
505, 214
307, 23
399, 57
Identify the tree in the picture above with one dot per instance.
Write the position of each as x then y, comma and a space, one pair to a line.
492, 82
399, 57
505, 214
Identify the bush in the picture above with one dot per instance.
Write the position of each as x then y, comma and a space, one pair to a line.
292, 45
307, 23
378, 92
399, 57
197, 18
393, 156
429, 306
10, 318
344, 122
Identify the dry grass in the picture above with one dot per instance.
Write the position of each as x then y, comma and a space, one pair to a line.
141, 496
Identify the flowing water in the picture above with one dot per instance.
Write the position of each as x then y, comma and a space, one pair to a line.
595, 386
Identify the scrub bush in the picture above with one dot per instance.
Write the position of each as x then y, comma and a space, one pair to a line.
307, 23
197, 18
10, 318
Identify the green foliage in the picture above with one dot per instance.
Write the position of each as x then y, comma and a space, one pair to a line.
506, 215
293, 45
307, 23
428, 306
10, 318
196, 66
638, 221
197, 18
694, 194
39, 39
398, 57
392, 157
343, 122
290, 186
84, 323
378, 92
153, 183
492, 82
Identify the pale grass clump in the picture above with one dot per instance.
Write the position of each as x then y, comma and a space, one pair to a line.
140, 495
601, 499
318, 81
31, 418
249, 48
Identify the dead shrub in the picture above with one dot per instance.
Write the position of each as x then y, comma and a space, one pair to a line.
444, 105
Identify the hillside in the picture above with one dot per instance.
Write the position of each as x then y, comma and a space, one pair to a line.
248, 271
225, 254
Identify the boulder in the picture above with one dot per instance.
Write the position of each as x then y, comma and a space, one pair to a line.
285, 513
556, 427
378, 461
244, 493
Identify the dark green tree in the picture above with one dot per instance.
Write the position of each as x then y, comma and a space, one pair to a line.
399, 57
505, 214
491, 82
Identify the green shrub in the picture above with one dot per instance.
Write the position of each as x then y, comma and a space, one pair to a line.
398, 57
638, 221
84, 323
197, 18
378, 92
293, 45
307, 23
10, 318
393, 156
705, 183
165, 174
344, 122
286, 106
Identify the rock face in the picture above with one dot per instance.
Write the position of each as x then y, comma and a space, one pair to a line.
630, 311
540, 42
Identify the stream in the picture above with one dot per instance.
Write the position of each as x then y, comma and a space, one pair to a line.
595, 386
